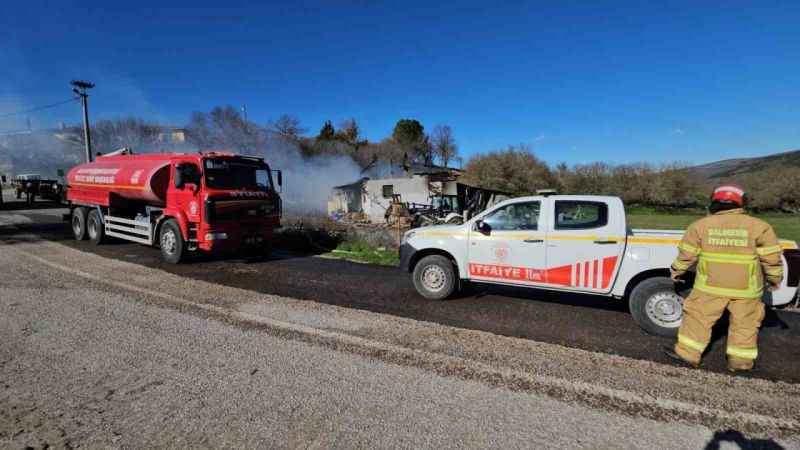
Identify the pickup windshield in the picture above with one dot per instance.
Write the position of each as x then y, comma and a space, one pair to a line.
233, 174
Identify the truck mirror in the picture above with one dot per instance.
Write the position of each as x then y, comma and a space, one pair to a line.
179, 178
483, 227
280, 178
60, 172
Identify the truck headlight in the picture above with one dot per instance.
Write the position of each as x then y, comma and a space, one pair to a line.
408, 235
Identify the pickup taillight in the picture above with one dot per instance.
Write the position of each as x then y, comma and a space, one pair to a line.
793, 262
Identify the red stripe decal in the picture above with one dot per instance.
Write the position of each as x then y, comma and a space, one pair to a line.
594, 274
608, 269
586, 274
558, 275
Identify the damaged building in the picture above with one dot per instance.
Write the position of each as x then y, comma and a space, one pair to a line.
428, 194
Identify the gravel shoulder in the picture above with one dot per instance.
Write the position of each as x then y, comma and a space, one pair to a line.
104, 352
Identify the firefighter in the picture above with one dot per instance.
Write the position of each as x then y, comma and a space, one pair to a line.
733, 254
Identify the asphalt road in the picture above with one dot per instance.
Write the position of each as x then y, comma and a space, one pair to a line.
585, 322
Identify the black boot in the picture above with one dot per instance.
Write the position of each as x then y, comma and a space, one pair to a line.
669, 351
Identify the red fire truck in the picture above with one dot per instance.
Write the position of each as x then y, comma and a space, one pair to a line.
182, 203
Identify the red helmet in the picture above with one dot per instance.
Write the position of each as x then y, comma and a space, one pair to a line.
729, 193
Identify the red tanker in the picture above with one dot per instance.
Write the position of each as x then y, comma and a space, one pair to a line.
180, 202
134, 177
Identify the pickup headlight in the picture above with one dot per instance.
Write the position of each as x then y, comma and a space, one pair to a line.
406, 236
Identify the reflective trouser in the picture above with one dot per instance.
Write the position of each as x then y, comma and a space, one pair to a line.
701, 311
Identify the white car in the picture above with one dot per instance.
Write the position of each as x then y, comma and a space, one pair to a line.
571, 243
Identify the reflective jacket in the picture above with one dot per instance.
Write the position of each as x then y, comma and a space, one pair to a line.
733, 254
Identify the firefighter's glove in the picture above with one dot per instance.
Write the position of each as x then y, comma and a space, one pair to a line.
676, 276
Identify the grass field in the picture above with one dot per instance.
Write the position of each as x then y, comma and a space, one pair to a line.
787, 226
366, 253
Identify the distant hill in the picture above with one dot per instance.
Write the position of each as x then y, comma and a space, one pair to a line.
732, 169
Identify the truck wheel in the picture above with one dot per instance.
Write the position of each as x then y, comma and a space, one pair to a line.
171, 241
656, 306
434, 277
95, 228
79, 223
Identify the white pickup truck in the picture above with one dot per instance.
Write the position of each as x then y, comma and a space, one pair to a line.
571, 243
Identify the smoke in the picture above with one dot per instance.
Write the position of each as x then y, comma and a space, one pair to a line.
307, 182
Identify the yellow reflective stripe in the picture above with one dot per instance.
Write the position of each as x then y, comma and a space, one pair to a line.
743, 353
773, 270
702, 285
728, 257
764, 251
681, 265
690, 249
691, 343
575, 237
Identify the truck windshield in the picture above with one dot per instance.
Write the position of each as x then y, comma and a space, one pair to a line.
231, 174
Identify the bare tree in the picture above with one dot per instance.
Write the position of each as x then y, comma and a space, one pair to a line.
516, 170
287, 127
225, 128
444, 144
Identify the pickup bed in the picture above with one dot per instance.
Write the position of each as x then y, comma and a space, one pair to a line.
578, 244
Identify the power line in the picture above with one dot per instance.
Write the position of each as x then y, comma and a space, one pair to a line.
38, 108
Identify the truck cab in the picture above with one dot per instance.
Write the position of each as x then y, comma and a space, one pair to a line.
572, 243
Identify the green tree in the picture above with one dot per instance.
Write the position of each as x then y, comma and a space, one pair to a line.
408, 132
327, 132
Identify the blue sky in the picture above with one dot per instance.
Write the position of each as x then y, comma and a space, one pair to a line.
579, 81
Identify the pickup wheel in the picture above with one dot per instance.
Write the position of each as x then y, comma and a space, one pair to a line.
657, 306
435, 277
173, 248
95, 228
79, 223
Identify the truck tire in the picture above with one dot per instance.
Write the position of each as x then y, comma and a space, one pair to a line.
79, 223
95, 228
170, 239
435, 277
656, 306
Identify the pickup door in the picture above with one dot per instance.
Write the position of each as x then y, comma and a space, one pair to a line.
511, 248
585, 241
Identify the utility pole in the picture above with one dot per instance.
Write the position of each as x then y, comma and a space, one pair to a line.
80, 87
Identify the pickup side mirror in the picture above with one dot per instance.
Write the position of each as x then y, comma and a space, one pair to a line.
483, 227
280, 178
